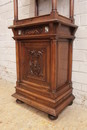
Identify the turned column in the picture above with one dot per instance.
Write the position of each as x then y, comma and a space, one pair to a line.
36, 8
15, 10
54, 5
72, 10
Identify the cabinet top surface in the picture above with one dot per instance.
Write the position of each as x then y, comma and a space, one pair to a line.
45, 19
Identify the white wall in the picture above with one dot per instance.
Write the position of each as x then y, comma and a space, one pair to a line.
7, 44
7, 51
79, 75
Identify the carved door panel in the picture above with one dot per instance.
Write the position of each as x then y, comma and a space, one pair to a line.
35, 62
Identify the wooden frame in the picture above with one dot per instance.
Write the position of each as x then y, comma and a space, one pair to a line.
36, 7
15, 10
54, 8
44, 59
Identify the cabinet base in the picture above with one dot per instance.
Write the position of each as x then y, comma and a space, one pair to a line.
52, 111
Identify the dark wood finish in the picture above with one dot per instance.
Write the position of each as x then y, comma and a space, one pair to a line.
54, 5
71, 103
36, 8
52, 117
72, 10
44, 60
19, 101
15, 10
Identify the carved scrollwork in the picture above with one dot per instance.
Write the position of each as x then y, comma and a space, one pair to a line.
32, 31
36, 62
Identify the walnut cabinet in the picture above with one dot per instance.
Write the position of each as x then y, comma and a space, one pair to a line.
44, 59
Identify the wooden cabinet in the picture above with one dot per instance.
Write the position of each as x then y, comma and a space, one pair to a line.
44, 60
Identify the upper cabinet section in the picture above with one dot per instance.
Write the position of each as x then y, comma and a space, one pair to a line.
50, 19
32, 8
43, 11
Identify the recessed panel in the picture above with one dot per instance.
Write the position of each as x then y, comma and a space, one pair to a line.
63, 61
35, 62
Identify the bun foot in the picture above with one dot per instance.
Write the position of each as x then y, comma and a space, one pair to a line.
52, 117
19, 102
71, 103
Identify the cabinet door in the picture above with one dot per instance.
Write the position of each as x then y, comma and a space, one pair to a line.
35, 62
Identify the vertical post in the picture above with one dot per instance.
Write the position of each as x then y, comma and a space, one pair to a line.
17, 61
70, 61
36, 7
72, 10
53, 65
54, 5
15, 10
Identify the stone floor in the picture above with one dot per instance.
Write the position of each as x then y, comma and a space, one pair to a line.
23, 117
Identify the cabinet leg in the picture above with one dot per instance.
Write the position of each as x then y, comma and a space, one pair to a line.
71, 103
52, 117
19, 102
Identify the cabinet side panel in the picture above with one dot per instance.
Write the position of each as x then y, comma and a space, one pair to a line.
62, 74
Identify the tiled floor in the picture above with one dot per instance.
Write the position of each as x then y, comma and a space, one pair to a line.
23, 117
